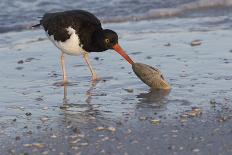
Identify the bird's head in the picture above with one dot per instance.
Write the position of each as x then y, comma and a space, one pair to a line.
110, 41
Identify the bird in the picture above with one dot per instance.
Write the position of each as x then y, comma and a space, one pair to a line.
79, 32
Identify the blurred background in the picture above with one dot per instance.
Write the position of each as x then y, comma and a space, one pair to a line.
198, 14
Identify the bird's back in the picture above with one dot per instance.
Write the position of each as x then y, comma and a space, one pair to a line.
67, 17
83, 22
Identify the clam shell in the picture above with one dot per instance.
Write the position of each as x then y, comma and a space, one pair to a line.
150, 76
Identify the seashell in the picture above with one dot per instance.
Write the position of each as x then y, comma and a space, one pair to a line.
150, 76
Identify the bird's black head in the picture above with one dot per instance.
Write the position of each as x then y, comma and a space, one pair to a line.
110, 38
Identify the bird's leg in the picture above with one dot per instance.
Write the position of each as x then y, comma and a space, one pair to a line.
86, 57
65, 80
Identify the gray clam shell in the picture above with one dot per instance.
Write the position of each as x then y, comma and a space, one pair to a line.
150, 76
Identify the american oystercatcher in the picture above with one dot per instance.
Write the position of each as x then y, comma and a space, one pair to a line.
78, 32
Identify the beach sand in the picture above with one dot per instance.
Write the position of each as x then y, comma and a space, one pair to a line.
119, 114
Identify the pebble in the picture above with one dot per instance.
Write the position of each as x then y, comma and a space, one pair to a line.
39, 99
142, 118
44, 119
172, 147
129, 131
73, 136
37, 145
129, 90
28, 114
174, 131
149, 57
21, 108
96, 58
174, 136
64, 106
74, 148
196, 150
196, 42
104, 139
222, 119
84, 144
53, 136
53, 150
17, 138
27, 145
195, 112
111, 129
168, 44
45, 108
19, 68
155, 121
100, 128
45, 153
20, 62
81, 135
134, 142
29, 59
75, 141
78, 153
12, 151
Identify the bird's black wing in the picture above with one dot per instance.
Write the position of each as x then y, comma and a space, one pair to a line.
56, 23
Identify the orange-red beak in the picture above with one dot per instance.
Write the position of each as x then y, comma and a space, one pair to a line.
118, 49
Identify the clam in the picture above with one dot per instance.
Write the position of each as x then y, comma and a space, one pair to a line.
150, 76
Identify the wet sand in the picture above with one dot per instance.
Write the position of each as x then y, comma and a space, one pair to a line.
119, 114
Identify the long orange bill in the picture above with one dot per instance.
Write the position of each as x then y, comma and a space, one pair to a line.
118, 49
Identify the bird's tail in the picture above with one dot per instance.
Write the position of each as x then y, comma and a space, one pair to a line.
37, 25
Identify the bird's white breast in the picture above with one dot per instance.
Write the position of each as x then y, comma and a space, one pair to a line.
71, 46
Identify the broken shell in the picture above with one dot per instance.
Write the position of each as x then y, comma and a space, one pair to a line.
150, 76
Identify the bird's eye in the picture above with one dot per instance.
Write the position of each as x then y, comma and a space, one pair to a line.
107, 40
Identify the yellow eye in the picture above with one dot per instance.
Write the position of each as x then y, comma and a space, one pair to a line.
107, 40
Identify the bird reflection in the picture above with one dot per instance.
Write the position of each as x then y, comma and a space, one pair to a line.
88, 93
80, 112
154, 98
65, 99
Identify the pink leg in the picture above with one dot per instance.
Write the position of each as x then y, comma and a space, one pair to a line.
94, 75
65, 80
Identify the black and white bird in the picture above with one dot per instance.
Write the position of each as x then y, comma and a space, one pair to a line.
78, 32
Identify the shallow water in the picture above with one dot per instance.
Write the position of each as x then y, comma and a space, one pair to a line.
199, 76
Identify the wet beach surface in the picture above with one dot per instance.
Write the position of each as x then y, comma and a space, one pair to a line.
118, 114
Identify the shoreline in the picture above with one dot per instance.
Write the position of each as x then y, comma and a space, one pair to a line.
119, 114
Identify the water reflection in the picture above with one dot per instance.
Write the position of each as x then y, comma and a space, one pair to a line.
80, 112
88, 93
88, 109
152, 99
